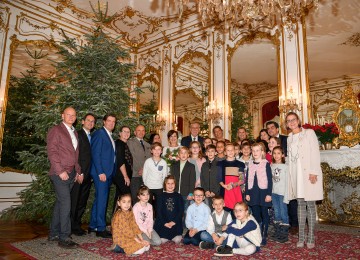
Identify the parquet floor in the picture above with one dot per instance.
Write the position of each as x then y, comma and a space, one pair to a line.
12, 232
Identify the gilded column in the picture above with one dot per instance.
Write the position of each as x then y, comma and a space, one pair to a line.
220, 89
294, 84
166, 92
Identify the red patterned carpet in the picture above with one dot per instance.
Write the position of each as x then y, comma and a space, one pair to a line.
329, 246
331, 243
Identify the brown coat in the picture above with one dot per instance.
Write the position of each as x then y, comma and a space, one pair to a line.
61, 153
309, 156
124, 230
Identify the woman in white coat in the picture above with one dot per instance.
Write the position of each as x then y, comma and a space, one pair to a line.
305, 176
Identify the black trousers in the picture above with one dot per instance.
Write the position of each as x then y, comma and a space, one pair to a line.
292, 212
121, 187
79, 197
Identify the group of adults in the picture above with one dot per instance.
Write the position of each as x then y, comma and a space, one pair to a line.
80, 158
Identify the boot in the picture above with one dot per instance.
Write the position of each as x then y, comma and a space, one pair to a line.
275, 231
284, 231
264, 232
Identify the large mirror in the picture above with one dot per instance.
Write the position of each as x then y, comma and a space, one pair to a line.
254, 75
191, 89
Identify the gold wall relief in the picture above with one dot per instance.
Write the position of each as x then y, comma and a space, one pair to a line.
149, 74
192, 43
151, 57
166, 59
62, 4
218, 45
4, 18
134, 26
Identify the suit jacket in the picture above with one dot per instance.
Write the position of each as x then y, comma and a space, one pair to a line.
103, 153
188, 177
61, 152
84, 152
283, 140
138, 154
185, 141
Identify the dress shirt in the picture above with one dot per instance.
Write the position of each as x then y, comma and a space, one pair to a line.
197, 216
110, 136
72, 135
211, 225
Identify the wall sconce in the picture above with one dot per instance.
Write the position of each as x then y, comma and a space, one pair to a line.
160, 119
289, 103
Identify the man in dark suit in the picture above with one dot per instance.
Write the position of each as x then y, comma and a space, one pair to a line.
194, 135
102, 169
140, 151
81, 189
273, 130
63, 154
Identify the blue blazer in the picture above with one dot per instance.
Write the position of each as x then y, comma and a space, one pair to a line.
103, 154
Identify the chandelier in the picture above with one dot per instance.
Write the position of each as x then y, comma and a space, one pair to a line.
251, 13
290, 103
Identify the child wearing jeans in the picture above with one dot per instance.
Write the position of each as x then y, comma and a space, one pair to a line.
196, 218
144, 216
215, 233
244, 231
125, 232
280, 176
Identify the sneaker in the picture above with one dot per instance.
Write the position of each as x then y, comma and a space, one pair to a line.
224, 251
206, 245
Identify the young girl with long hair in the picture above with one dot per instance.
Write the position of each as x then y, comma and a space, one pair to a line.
125, 232
144, 216
170, 208
196, 158
258, 189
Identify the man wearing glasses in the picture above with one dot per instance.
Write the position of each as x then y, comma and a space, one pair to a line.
194, 136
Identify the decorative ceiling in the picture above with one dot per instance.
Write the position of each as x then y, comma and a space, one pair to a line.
333, 37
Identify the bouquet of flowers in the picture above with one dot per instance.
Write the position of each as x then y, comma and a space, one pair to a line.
325, 133
171, 156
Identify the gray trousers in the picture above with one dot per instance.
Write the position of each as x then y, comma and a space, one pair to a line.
60, 222
306, 210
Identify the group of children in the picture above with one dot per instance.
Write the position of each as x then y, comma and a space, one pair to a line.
193, 186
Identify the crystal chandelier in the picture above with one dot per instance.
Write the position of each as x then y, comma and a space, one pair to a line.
251, 13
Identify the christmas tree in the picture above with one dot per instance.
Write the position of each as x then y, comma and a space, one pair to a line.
94, 77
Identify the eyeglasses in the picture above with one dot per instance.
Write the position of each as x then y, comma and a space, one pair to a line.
291, 120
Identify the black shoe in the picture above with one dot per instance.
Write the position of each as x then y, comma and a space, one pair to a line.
68, 244
78, 232
206, 245
263, 242
53, 239
103, 234
91, 230
224, 251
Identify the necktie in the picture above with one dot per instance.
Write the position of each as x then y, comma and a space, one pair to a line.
194, 139
89, 137
142, 144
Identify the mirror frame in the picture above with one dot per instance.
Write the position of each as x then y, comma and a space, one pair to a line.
348, 102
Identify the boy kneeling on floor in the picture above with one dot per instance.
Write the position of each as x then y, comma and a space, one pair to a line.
215, 233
